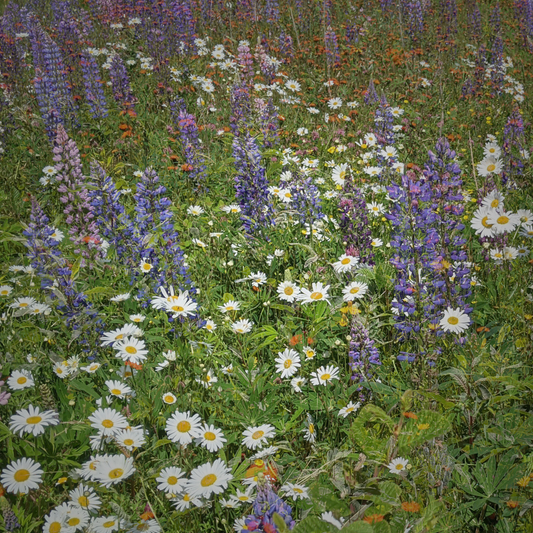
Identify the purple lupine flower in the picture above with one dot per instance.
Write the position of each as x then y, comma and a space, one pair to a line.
414, 14
120, 83
94, 90
245, 61
363, 354
383, 124
75, 196
285, 45
10, 518
497, 72
354, 224
269, 122
333, 57
56, 279
265, 63
371, 96
513, 145
475, 23
251, 185
266, 503
305, 200
192, 148
240, 108
272, 11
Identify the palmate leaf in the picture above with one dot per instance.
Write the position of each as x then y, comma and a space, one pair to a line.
371, 431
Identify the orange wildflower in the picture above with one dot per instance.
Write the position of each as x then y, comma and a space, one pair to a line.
408, 414
373, 518
411, 507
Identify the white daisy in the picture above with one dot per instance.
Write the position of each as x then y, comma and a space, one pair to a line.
108, 421
318, 293
208, 479
113, 469
345, 263
295, 491
288, 291
354, 291
181, 427
256, 436
242, 326
32, 420
397, 465
454, 320
350, 408
210, 437
20, 379
131, 349
21, 476
287, 363
324, 375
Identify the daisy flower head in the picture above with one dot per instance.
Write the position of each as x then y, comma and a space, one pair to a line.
130, 438
210, 326
318, 293
108, 421
526, 218
232, 208
510, 253
373, 171
503, 221
49, 171
230, 305
297, 383
492, 149
287, 363
310, 430
345, 263
195, 210
171, 480
210, 437
120, 297
23, 304
104, 524
527, 231
32, 420
295, 491
20, 379
334, 103
376, 243
145, 266
293, 85
354, 291
375, 208
242, 326
21, 476
454, 320
208, 479
489, 165
181, 305
324, 375
131, 349
113, 469
169, 398
5, 290
397, 465
182, 427
207, 380
349, 408
339, 174
137, 318
493, 200
185, 500
92, 368
288, 291
118, 389
109, 338
309, 353
84, 497
256, 437
480, 221
56, 520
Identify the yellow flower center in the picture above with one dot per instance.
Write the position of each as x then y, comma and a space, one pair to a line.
21, 380
257, 434
178, 308
502, 220
325, 377
229, 308
128, 442
345, 261
73, 521
55, 527
355, 290
83, 501
485, 223
495, 202
288, 291
147, 266
131, 350
184, 426
23, 304
169, 399
209, 435
172, 480
110, 523
116, 473
208, 480
453, 320
491, 167
311, 428
116, 392
21, 475
107, 423
296, 489
33, 420
399, 466
287, 363
4, 292
316, 296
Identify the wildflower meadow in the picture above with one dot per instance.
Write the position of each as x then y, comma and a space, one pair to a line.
265, 266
